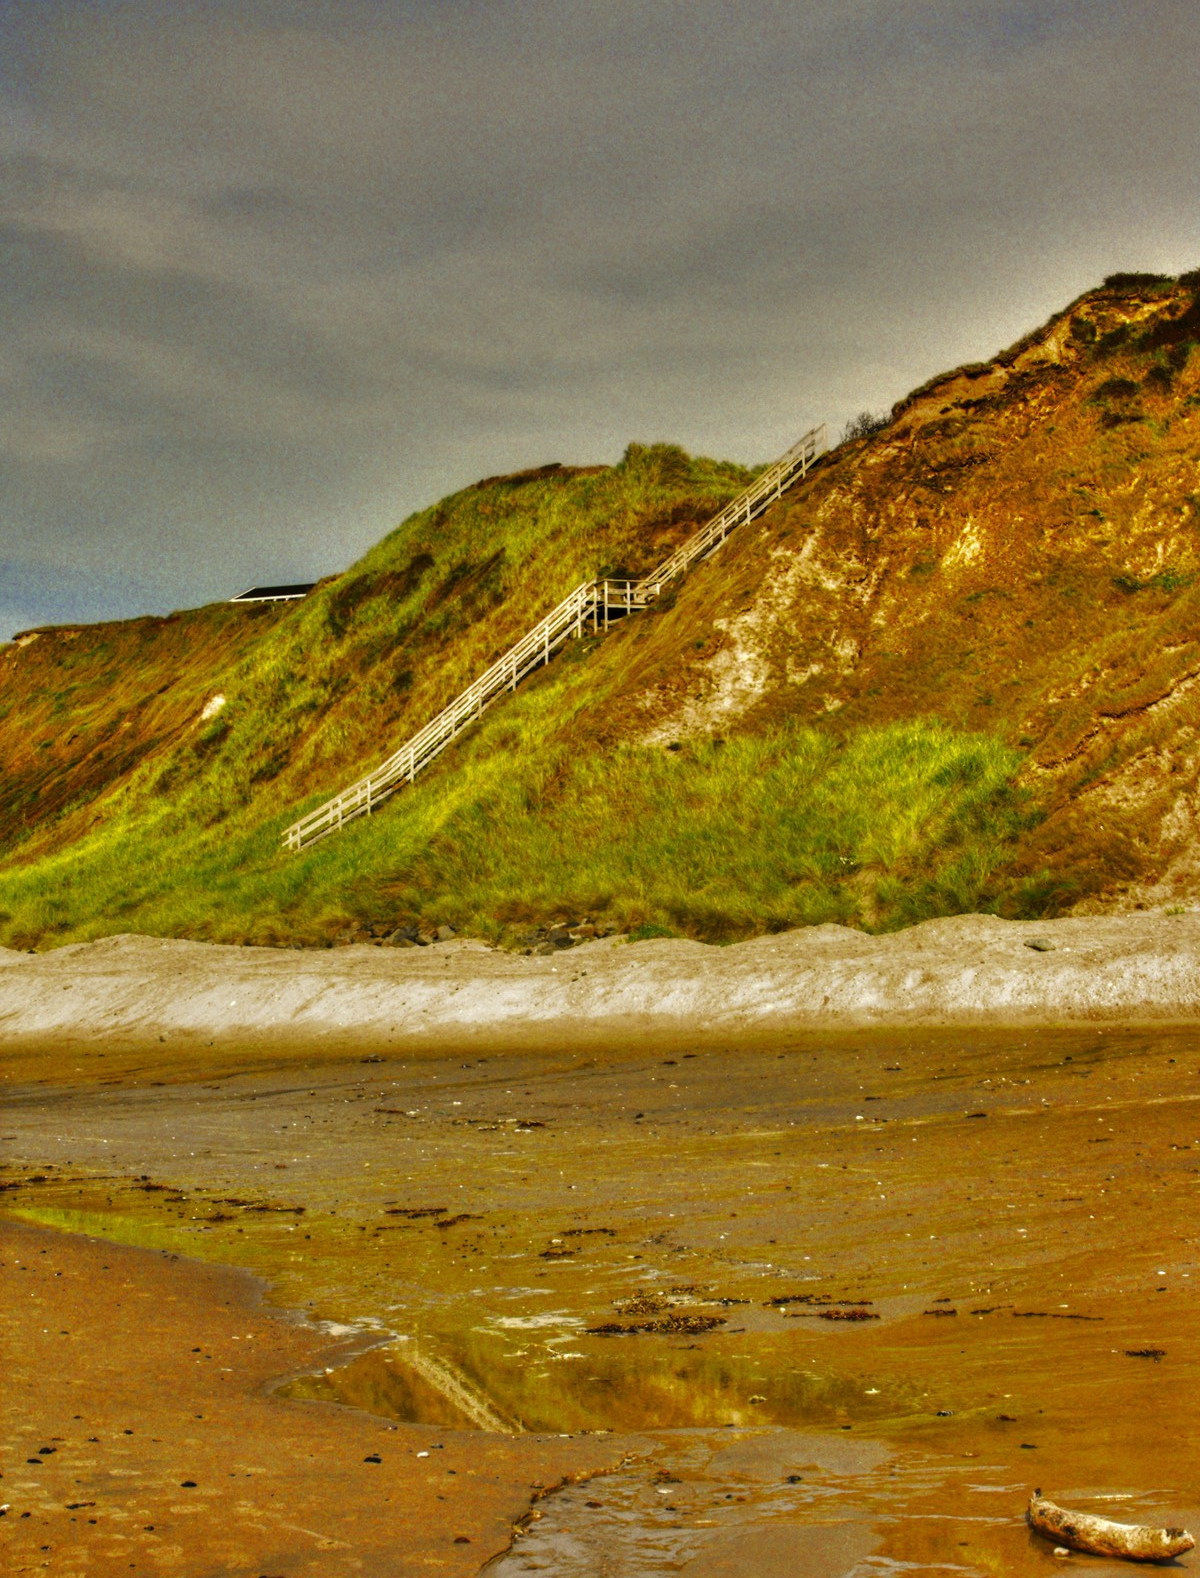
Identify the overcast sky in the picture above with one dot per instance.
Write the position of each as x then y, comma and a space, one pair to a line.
278, 272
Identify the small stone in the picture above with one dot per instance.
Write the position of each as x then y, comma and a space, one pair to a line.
462, 1539
1039, 945
372, 1457
187, 1484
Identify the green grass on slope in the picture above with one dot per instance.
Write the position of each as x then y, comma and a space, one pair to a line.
82, 707
364, 662
890, 826
530, 817
763, 832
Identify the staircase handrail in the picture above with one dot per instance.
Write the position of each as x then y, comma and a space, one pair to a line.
538, 645
505, 673
765, 488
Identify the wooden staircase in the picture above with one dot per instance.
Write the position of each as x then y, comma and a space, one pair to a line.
591, 606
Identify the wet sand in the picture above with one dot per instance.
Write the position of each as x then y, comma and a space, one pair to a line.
141, 1435
1018, 1208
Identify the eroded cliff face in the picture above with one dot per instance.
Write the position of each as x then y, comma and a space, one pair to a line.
1017, 550
1014, 554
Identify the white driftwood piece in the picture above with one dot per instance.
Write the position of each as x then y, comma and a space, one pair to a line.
1136, 1542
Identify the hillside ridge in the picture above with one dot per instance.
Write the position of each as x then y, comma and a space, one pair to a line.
952, 670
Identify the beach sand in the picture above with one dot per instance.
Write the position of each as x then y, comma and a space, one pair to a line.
994, 1145
141, 1434
965, 970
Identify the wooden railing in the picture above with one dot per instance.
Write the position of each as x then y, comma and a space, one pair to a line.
759, 496
591, 605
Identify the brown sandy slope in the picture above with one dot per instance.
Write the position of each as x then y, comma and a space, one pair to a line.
81, 706
1016, 551
963, 970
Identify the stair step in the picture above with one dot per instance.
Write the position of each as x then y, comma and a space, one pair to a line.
592, 602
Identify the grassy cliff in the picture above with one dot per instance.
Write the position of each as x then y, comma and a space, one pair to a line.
949, 671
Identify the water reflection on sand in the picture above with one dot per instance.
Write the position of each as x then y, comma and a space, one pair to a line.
1018, 1210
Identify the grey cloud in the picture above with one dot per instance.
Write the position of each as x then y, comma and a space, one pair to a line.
277, 271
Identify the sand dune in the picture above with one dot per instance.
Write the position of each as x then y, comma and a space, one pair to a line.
969, 969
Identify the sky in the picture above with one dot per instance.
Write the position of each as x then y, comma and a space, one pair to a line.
276, 273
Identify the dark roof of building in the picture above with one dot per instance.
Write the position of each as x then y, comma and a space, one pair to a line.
274, 594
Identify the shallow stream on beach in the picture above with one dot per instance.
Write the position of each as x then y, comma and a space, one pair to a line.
868, 1291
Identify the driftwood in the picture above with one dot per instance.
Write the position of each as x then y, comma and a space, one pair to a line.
1102, 1537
